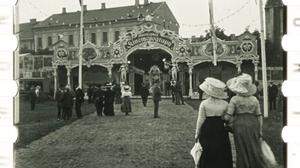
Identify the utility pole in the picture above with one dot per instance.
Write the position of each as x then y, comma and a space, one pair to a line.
263, 58
212, 31
80, 46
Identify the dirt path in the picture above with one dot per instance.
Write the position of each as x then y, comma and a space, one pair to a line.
137, 140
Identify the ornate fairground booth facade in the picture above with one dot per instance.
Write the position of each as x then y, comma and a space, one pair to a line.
133, 56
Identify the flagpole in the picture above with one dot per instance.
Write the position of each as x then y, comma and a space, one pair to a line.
80, 46
212, 30
263, 59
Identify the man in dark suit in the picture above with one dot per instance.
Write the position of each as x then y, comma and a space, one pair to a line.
144, 93
32, 97
67, 103
79, 99
58, 99
156, 96
99, 96
273, 93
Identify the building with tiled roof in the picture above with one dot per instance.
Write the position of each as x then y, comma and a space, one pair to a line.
26, 35
101, 26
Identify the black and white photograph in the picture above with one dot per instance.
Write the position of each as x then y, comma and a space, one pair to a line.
150, 84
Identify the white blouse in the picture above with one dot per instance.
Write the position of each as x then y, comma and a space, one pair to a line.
126, 93
209, 108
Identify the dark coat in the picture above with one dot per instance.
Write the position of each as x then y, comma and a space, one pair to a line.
99, 96
59, 97
79, 95
32, 95
109, 102
156, 93
90, 91
144, 91
273, 91
67, 99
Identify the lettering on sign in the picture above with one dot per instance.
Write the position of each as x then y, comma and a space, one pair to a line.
149, 37
209, 49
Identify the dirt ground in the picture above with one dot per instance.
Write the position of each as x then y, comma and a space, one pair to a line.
137, 140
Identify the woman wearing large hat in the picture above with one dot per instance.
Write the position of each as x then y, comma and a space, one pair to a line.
210, 129
126, 96
247, 122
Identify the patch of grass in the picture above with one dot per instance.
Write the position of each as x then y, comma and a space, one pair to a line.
43, 120
271, 129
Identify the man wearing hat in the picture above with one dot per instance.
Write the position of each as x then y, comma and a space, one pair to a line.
67, 103
156, 96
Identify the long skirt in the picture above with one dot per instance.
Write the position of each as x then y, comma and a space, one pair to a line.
126, 105
247, 142
215, 143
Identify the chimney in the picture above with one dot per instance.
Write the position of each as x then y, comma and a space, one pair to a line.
64, 10
137, 2
84, 8
32, 21
146, 2
103, 6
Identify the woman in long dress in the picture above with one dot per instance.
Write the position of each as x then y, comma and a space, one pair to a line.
244, 110
210, 130
126, 96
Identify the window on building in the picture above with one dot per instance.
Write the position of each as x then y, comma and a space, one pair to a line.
104, 38
71, 40
49, 41
40, 43
93, 38
117, 35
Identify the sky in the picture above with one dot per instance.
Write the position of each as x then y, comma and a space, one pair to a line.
234, 16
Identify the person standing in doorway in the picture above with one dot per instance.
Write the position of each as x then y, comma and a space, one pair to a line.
99, 99
144, 93
179, 97
58, 98
156, 96
32, 97
79, 99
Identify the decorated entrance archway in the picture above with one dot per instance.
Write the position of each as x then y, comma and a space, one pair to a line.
149, 37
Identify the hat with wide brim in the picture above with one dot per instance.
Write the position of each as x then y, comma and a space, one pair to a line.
242, 85
214, 88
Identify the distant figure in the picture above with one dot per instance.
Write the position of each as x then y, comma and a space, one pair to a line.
79, 99
178, 93
174, 72
109, 101
90, 94
173, 92
156, 96
273, 92
167, 88
99, 96
117, 92
32, 97
58, 98
67, 103
126, 95
144, 94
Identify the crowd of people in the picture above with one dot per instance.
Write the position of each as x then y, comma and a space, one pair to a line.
241, 116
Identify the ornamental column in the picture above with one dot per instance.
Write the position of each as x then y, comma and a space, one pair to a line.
191, 80
109, 69
238, 66
69, 75
255, 70
174, 71
55, 80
